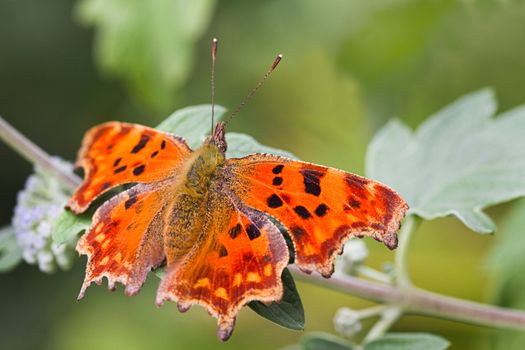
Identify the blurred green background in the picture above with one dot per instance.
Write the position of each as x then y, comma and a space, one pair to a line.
348, 67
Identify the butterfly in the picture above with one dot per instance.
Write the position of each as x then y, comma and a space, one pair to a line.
212, 220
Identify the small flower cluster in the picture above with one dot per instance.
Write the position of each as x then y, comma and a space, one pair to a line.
38, 206
347, 322
354, 255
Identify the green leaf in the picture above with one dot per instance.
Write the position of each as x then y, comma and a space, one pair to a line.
507, 263
148, 44
458, 162
193, 123
408, 341
67, 226
10, 252
289, 313
160, 271
324, 341
241, 145
292, 347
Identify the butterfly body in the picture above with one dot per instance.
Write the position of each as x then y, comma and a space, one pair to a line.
190, 194
211, 220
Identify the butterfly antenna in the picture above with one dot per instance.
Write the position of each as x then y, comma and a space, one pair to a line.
214, 44
259, 84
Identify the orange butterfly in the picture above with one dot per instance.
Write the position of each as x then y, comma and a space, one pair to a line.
209, 218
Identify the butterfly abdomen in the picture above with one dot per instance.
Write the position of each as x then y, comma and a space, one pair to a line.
183, 228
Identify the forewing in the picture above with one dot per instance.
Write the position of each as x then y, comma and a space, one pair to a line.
321, 207
125, 240
240, 258
117, 153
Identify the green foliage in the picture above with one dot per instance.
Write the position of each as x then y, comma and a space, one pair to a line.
408, 341
390, 341
458, 162
68, 225
324, 341
149, 44
508, 264
241, 145
289, 312
192, 123
10, 252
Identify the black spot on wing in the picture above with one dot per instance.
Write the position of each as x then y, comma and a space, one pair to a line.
354, 203
119, 170
277, 169
223, 251
297, 231
163, 144
277, 181
117, 161
321, 210
131, 200
312, 181
154, 154
144, 139
252, 231
274, 201
105, 185
302, 212
139, 170
234, 231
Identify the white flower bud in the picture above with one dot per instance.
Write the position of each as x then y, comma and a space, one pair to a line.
347, 322
354, 255
38, 206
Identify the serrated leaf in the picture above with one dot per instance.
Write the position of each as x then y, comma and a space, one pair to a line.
10, 252
193, 123
67, 226
324, 341
289, 313
241, 145
458, 162
148, 44
507, 263
408, 341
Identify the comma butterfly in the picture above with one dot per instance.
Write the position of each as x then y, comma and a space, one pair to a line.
210, 218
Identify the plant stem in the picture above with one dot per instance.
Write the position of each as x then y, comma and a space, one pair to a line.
372, 311
401, 260
34, 154
417, 301
373, 274
388, 318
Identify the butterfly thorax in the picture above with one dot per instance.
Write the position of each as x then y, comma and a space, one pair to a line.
205, 161
189, 207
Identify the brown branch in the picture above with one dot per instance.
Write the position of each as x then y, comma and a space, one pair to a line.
34, 154
417, 301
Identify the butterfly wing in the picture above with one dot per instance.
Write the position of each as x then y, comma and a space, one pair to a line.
321, 207
125, 240
240, 258
115, 153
